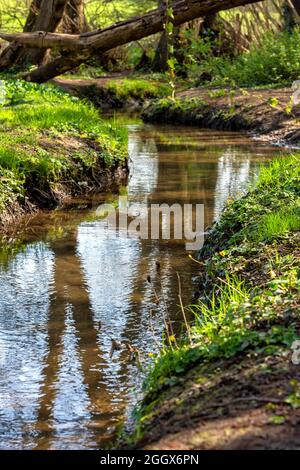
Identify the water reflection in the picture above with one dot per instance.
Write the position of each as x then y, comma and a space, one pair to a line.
74, 288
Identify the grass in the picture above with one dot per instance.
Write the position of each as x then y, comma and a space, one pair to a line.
48, 108
120, 92
249, 283
137, 88
48, 137
277, 224
276, 61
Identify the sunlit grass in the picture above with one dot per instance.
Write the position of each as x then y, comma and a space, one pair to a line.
277, 224
227, 320
137, 88
36, 122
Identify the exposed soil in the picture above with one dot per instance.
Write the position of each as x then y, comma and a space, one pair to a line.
239, 403
236, 406
265, 113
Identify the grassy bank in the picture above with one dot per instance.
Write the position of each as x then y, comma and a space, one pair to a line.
268, 113
230, 381
115, 93
53, 146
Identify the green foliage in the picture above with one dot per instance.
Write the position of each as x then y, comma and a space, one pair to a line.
241, 314
275, 61
277, 191
36, 123
277, 224
104, 13
136, 88
169, 30
45, 107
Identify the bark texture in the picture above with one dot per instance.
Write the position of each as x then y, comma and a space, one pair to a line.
81, 47
46, 16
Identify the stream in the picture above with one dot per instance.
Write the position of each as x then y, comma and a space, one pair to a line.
70, 286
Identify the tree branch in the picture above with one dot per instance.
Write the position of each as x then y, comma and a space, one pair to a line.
82, 47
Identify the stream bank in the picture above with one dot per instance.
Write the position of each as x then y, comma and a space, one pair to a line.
54, 147
233, 381
115, 92
267, 114
69, 285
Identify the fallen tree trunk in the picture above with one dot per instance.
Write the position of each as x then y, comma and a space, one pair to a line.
44, 15
81, 47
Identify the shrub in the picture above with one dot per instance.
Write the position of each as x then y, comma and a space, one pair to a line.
275, 61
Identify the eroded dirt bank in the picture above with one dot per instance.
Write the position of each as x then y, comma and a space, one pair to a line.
115, 91
266, 113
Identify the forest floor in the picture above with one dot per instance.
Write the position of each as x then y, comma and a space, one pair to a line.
53, 147
233, 380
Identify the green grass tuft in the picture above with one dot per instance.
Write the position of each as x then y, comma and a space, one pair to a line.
137, 89
37, 125
275, 61
252, 281
277, 224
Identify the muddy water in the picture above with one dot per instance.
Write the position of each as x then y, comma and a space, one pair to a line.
71, 285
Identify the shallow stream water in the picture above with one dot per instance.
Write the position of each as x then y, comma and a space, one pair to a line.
71, 286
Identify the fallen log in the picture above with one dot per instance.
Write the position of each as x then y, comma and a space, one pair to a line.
81, 47
43, 15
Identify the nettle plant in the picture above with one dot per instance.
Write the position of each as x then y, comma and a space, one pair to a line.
169, 29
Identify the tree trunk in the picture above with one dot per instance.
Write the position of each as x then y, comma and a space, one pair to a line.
82, 47
10, 55
51, 13
74, 21
289, 20
161, 53
296, 5
44, 15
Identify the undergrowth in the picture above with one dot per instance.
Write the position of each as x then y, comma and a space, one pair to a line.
276, 60
137, 88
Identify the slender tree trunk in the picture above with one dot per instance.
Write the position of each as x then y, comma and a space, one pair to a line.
288, 16
161, 53
291, 14
296, 5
